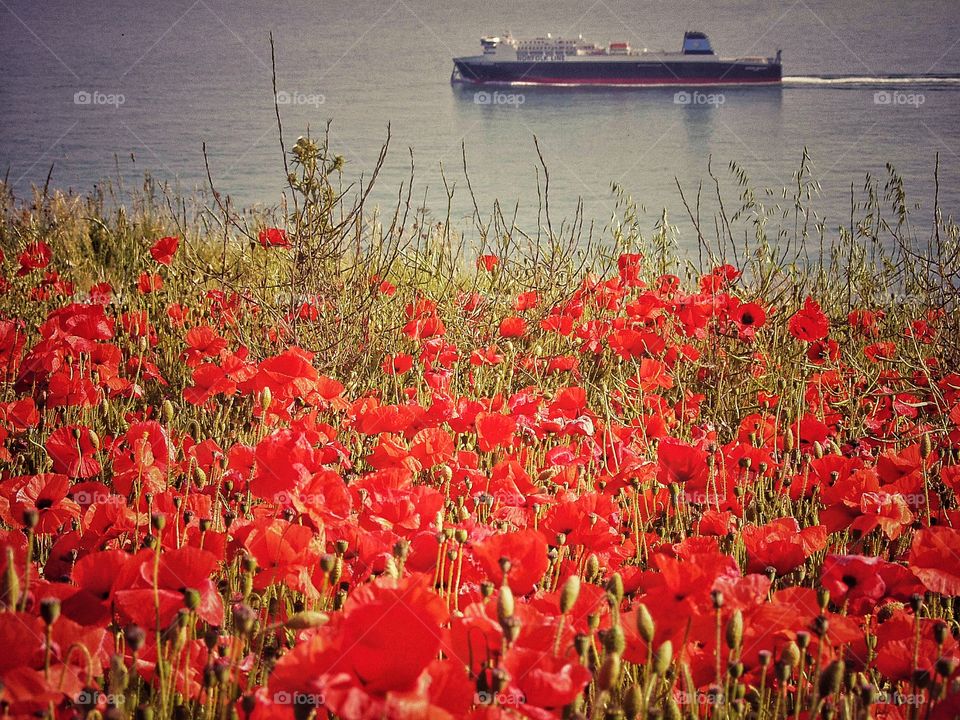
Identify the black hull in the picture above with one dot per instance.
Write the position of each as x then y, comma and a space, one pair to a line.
618, 72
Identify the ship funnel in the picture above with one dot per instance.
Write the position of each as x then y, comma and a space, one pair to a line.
696, 43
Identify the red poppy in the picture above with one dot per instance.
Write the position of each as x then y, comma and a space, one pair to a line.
273, 237
809, 323
35, 256
935, 559
682, 463
164, 249
73, 451
526, 553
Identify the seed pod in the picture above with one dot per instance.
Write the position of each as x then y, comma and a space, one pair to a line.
832, 678
671, 711
593, 567
662, 658
191, 599
614, 640
645, 624
167, 412
615, 587
306, 619
569, 594
609, 671
735, 630
505, 604
633, 702
926, 446
790, 655
118, 677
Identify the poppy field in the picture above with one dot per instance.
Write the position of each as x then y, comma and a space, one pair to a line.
619, 490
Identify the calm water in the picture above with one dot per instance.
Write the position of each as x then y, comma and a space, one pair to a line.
194, 71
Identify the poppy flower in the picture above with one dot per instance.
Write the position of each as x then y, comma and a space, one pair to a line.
495, 430
526, 551
35, 256
935, 559
72, 449
488, 262
273, 237
682, 463
810, 323
164, 249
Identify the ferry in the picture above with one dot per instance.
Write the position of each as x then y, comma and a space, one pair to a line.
576, 62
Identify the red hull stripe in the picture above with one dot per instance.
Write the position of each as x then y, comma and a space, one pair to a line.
639, 82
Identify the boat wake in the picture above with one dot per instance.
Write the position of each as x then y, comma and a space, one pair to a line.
868, 81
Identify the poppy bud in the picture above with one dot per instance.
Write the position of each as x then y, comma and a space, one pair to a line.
823, 598
266, 398
511, 629
614, 640
671, 711
166, 411
926, 446
764, 657
306, 619
832, 678
505, 566
11, 581
191, 599
803, 640
593, 567
158, 521
94, 439
615, 587
790, 655
820, 625
645, 624
916, 603
946, 666
633, 701
505, 604
118, 675
30, 519
244, 618
569, 594
817, 449
446, 473
735, 670
50, 610
341, 547
134, 637
609, 672
486, 588
717, 598
735, 630
662, 658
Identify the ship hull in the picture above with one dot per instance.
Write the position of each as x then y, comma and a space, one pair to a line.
616, 73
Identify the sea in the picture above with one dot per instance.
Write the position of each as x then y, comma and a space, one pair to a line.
105, 93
